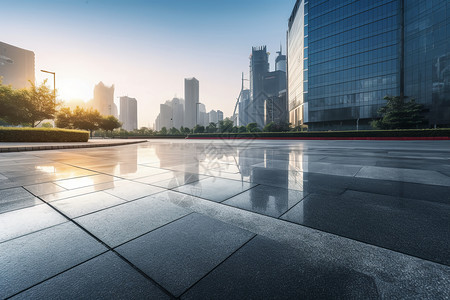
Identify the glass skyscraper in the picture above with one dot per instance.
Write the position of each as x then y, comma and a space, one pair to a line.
344, 56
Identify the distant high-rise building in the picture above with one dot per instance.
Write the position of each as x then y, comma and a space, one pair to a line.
128, 113
343, 58
264, 85
202, 118
191, 98
276, 109
213, 117
280, 61
244, 108
259, 67
178, 112
104, 100
16, 66
219, 115
165, 116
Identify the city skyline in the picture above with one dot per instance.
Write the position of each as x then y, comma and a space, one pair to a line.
146, 49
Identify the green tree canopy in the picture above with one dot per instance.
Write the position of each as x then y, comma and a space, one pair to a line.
174, 131
199, 129
225, 125
252, 127
86, 119
64, 118
109, 123
40, 103
400, 114
211, 128
277, 127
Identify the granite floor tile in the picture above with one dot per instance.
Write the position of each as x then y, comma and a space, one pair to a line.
16, 198
129, 190
30, 259
80, 182
179, 254
215, 189
80, 205
265, 269
103, 277
414, 227
404, 175
267, 200
23, 221
44, 188
119, 224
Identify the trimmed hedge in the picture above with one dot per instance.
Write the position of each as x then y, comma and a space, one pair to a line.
25, 134
332, 134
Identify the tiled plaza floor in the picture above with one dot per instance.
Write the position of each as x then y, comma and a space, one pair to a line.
227, 220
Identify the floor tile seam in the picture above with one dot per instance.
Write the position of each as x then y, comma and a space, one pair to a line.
442, 173
367, 243
323, 231
33, 232
301, 200
112, 206
108, 247
170, 189
402, 181
184, 193
218, 265
50, 181
241, 192
397, 197
55, 275
154, 229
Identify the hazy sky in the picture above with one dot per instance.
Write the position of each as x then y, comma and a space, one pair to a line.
146, 48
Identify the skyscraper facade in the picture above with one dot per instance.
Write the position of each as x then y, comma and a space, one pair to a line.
345, 56
128, 113
427, 56
191, 98
219, 115
259, 67
104, 100
16, 66
178, 112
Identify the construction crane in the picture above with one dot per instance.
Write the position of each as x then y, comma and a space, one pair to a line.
239, 97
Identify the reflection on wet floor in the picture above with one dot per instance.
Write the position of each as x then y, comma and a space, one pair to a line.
137, 197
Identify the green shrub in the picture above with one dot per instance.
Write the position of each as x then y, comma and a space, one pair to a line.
333, 134
22, 134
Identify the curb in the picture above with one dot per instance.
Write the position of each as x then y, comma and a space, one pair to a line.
55, 147
430, 138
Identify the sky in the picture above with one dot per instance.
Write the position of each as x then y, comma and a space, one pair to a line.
146, 48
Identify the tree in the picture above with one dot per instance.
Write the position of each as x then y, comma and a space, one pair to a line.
185, 130
225, 125
252, 127
109, 123
64, 118
86, 119
277, 127
399, 114
163, 131
174, 131
242, 129
211, 128
40, 103
13, 105
199, 129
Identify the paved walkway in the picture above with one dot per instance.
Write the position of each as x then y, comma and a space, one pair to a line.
227, 220
17, 147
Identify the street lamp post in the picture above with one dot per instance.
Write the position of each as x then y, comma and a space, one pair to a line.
54, 86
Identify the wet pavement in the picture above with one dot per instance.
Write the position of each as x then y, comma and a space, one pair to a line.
227, 219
